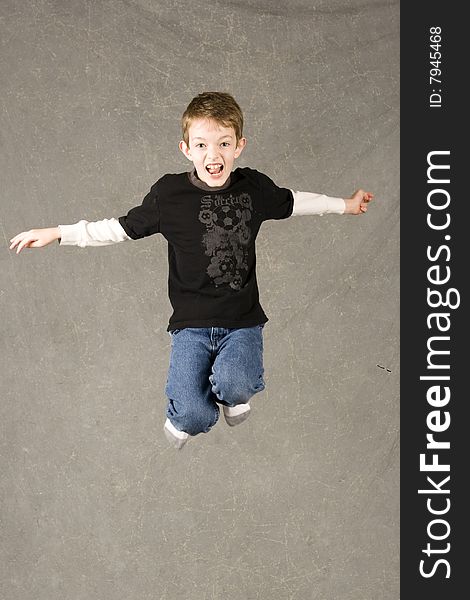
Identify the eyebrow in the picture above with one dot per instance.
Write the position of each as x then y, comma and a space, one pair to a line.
204, 139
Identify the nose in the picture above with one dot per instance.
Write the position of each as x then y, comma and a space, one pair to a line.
213, 153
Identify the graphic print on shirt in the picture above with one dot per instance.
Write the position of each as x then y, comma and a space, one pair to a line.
227, 236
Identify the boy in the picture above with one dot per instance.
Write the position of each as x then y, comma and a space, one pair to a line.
210, 218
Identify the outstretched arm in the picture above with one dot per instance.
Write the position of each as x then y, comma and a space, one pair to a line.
83, 233
308, 203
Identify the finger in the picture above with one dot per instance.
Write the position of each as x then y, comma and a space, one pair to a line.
16, 239
24, 236
24, 244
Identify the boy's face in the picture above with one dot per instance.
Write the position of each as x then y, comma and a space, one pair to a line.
213, 149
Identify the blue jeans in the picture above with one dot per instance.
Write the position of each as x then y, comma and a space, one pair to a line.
211, 366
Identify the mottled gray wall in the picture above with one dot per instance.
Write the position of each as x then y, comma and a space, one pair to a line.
302, 500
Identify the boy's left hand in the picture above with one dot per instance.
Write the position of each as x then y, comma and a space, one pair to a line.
357, 204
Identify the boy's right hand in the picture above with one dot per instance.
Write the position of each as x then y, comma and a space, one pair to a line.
35, 238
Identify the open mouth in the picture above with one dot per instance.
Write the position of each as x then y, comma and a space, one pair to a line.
215, 169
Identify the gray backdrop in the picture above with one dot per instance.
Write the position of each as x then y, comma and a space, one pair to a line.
299, 502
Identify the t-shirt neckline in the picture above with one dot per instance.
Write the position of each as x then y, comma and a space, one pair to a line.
194, 179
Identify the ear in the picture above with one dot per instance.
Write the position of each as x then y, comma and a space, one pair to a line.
241, 144
185, 149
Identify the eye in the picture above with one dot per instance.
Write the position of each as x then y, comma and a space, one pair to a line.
225, 144
200, 145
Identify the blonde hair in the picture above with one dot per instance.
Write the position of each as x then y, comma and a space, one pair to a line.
217, 106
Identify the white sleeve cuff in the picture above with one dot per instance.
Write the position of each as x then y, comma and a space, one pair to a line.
95, 233
307, 203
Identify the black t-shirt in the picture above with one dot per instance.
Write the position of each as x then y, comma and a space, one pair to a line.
211, 244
